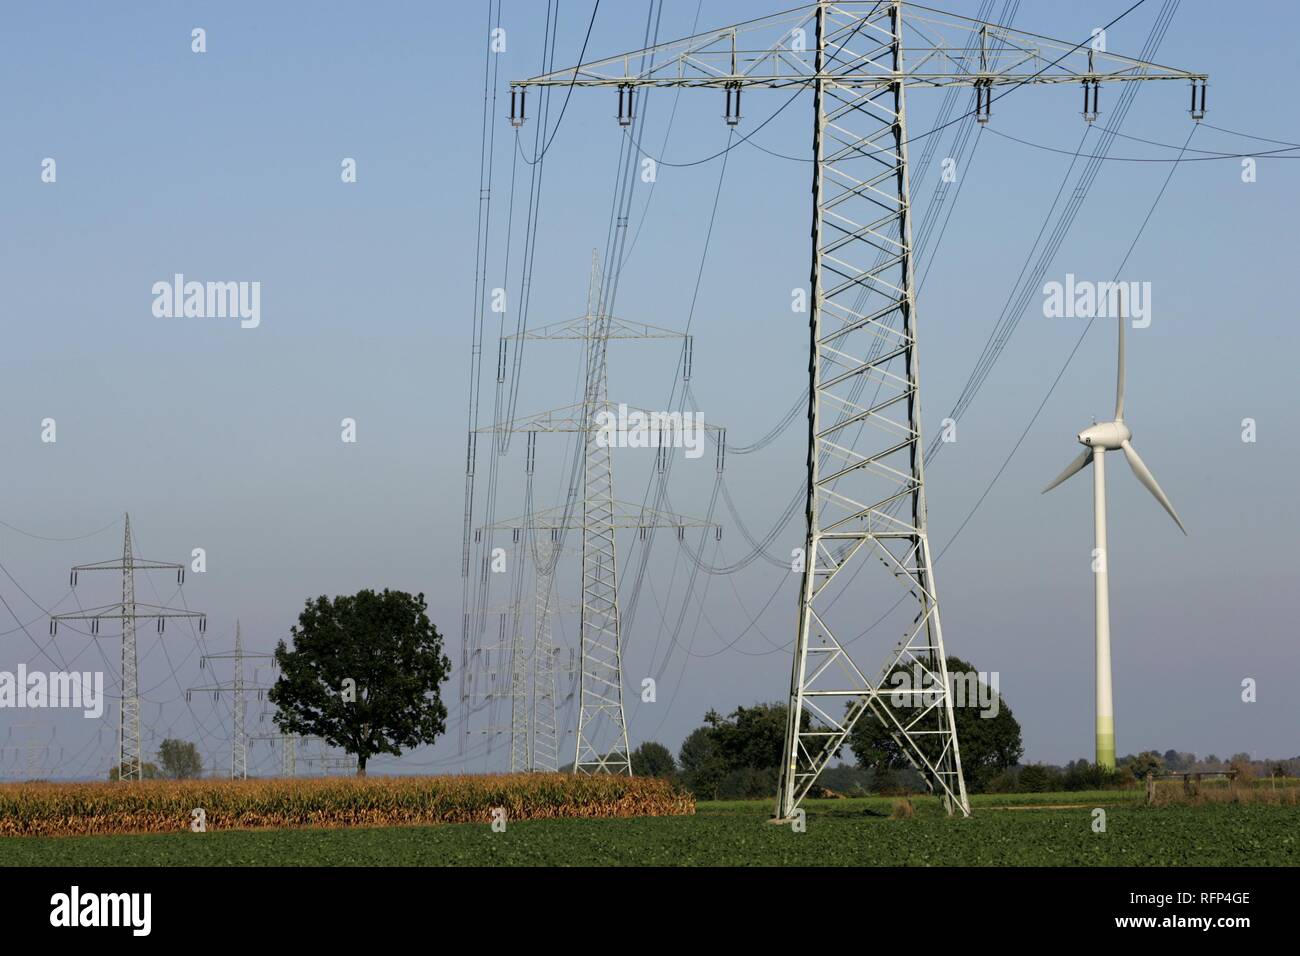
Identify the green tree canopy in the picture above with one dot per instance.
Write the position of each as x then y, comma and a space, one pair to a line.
1140, 764
701, 763
180, 759
364, 674
738, 755
653, 759
750, 737
989, 738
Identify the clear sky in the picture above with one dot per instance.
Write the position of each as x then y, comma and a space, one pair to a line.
225, 166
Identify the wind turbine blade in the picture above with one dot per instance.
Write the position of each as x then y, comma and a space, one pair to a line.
1144, 475
1078, 464
1120, 373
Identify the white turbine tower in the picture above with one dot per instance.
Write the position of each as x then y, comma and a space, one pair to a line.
1099, 439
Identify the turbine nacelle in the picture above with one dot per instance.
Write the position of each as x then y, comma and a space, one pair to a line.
1108, 436
1115, 436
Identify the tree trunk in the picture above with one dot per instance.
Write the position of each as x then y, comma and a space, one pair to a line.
361, 766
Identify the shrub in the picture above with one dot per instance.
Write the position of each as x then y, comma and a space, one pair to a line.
1004, 781
1037, 778
902, 810
746, 783
1091, 776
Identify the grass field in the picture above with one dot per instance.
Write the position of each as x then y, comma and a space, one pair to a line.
854, 832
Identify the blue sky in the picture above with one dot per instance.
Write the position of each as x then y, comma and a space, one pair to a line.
225, 166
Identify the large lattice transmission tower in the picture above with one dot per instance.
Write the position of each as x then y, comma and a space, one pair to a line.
239, 688
866, 493
601, 740
129, 612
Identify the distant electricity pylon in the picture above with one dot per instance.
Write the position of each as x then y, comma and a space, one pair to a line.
239, 739
32, 749
865, 457
288, 750
129, 611
543, 729
521, 660
329, 762
548, 526
601, 744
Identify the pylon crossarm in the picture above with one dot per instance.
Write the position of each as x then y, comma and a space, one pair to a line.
581, 329
139, 564
626, 514
569, 418
778, 52
573, 418
110, 611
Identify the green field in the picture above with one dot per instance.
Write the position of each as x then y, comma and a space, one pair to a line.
854, 832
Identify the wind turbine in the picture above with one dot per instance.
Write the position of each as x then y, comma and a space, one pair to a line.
1097, 440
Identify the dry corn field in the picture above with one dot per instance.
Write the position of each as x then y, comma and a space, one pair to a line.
164, 806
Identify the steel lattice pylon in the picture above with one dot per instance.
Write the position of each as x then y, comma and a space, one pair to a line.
863, 332
288, 750
543, 744
601, 740
240, 688
289, 755
602, 724
866, 490
132, 758
518, 693
129, 612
